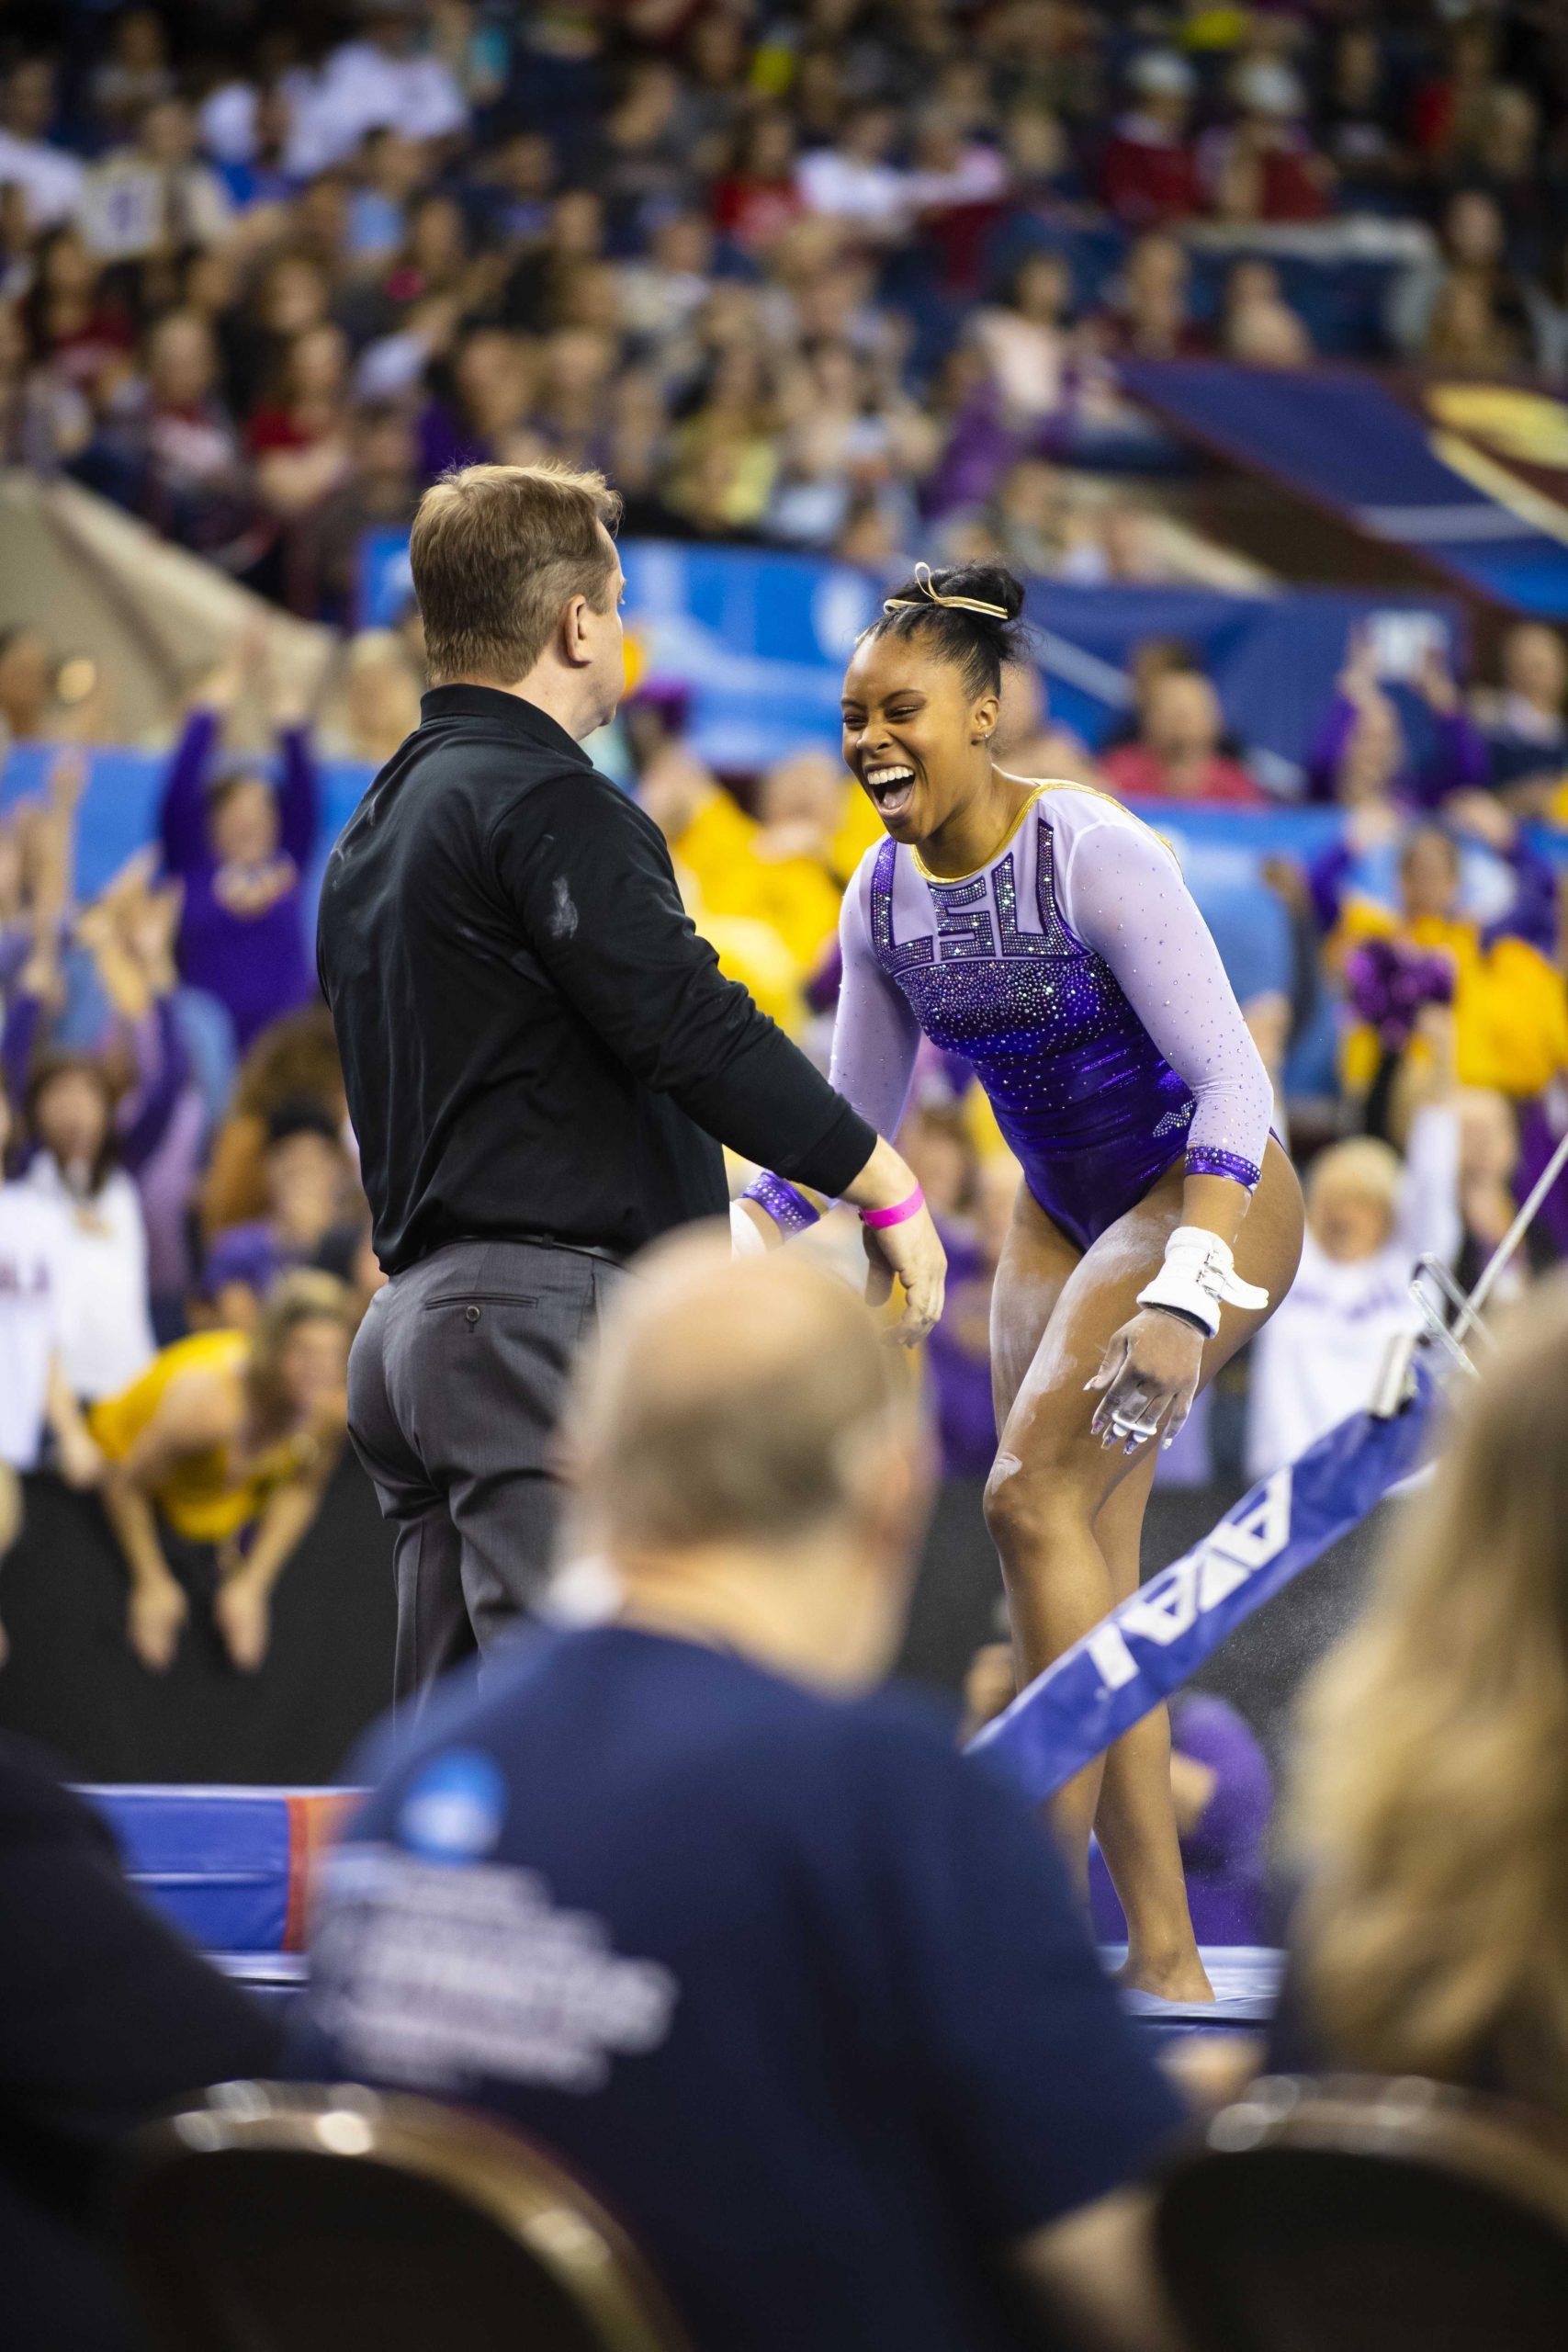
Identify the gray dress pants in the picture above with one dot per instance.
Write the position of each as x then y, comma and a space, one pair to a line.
455, 1387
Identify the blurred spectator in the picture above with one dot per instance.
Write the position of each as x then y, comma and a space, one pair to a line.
1501, 161
293, 1060
169, 447
1526, 719
384, 78
44, 421
239, 845
1468, 333
70, 1112
1427, 1821
306, 1175
380, 703
852, 180
1488, 1197
1471, 267
1026, 740
50, 178
1148, 314
1510, 1010
80, 335
231, 1438
1360, 754
298, 438
1359, 120
156, 196
1368, 1221
40, 1418
108, 2017
1150, 172
27, 684
379, 490
784, 875
1177, 754
1262, 165
134, 71
1258, 325
1024, 341
759, 198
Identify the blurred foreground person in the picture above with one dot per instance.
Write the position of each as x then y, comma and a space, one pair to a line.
106, 2016
1431, 1808
804, 1991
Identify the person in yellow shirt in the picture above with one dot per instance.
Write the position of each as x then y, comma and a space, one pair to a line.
1510, 1003
230, 1437
784, 868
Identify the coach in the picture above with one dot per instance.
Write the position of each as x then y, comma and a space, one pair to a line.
541, 1055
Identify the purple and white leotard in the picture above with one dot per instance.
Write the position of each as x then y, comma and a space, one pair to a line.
1076, 975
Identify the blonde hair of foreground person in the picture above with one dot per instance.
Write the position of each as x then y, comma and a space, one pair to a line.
1431, 1804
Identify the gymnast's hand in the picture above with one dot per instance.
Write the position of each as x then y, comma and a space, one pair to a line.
1149, 1376
914, 1252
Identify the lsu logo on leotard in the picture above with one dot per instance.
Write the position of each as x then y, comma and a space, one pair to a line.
1169, 1604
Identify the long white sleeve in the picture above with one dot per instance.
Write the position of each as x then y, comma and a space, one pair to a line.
875, 1035
1122, 894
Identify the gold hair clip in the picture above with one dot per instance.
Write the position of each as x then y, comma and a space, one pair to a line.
931, 595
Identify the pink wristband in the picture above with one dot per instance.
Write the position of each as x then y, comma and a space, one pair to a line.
878, 1218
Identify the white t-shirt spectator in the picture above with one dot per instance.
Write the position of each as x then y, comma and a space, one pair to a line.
35, 1251
1318, 1357
361, 87
107, 1331
132, 206
52, 178
873, 196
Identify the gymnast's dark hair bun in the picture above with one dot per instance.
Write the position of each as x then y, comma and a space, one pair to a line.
981, 643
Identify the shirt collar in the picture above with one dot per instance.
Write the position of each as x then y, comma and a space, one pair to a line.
508, 713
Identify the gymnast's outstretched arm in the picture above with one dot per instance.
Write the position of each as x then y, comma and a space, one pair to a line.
875, 1040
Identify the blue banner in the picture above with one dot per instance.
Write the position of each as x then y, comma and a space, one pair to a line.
760, 640
1456, 497
1154, 1641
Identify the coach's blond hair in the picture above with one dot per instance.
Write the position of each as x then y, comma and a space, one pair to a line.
498, 552
1431, 1810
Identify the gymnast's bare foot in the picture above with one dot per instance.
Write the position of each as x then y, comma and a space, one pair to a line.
1177, 1975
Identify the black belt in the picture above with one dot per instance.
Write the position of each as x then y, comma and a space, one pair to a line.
532, 1241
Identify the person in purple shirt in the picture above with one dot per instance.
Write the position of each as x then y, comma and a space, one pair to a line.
1362, 752
240, 844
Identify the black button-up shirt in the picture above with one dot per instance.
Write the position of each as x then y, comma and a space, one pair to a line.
535, 1040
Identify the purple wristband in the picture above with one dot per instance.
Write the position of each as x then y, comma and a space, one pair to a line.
790, 1210
879, 1219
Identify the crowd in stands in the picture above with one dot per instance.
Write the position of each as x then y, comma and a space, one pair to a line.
817, 274
848, 278
832, 274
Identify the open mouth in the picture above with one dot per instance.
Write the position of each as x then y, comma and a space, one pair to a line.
891, 788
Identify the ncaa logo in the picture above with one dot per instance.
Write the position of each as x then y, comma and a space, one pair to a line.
454, 1807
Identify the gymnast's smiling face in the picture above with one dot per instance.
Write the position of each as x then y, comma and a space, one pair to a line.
917, 738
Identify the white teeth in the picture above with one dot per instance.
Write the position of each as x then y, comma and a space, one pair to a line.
879, 776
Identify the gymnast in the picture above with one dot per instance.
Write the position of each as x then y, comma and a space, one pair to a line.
1044, 932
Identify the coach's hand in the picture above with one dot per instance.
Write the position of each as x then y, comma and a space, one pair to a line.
1149, 1376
